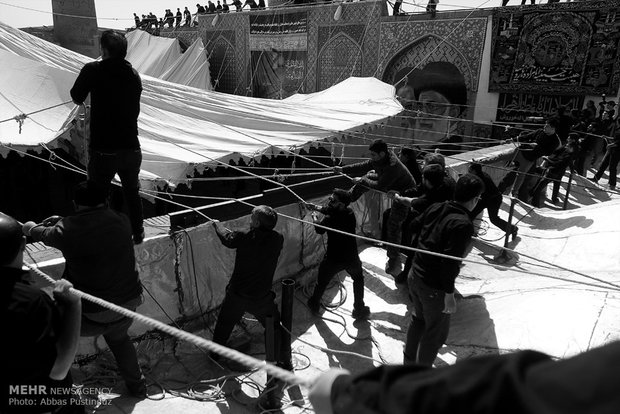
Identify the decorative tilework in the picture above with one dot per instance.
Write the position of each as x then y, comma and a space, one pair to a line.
459, 41
222, 61
338, 59
234, 44
358, 21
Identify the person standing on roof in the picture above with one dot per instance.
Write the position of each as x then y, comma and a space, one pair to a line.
188, 17
384, 172
444, 228
99, 253
114, 87
341, 251
178, 17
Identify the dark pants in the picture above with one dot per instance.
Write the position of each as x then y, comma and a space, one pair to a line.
102, 167
492, 205
329, 268
611, 159
115, 334
398, 214
429, 326
233, 308
539, 190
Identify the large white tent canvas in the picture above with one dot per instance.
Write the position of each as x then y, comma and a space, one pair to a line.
161, 58
180, 127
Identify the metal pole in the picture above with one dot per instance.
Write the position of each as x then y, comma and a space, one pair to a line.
286, 315
513, 201
570, 182
270, 357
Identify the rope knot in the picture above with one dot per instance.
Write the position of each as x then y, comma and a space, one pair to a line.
20, 120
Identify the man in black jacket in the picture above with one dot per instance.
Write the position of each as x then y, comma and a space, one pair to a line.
536, 144
115, 88
384, 172
341, 251
249, 289
99, 253
444, 228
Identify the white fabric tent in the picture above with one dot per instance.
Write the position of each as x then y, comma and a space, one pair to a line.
191, 68
161, 58
180, 127
151, 55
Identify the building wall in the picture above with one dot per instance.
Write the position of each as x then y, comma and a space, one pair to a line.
77, 34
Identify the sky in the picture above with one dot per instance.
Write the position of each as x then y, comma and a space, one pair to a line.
118, 14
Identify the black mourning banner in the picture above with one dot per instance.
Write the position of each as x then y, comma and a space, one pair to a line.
279, 24
549, 49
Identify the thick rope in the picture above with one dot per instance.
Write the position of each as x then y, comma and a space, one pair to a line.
229, 353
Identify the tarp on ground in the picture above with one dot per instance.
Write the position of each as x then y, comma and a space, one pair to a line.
181, 127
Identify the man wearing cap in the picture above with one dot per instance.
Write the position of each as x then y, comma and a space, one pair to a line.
97, 245
249, 289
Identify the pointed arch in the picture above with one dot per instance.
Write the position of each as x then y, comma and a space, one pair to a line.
340, 58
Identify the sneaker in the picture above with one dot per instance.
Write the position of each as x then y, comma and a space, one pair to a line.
514, 232
401, 277
392, 267
314, 306
137, 390
361, 313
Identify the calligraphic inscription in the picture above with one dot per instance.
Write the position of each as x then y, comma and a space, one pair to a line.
516, 107
279, 23
278, 74
568, 50
296, 41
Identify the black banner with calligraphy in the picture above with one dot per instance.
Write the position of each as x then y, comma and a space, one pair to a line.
567, 48
279, 23
516, 107
278, 74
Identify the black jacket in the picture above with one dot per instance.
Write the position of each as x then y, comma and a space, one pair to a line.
340, 247
255, 262
525, 382
115, 88
443, 228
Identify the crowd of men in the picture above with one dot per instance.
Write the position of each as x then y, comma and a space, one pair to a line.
585, 140
184, 18
433, 213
